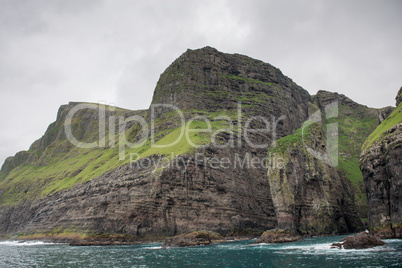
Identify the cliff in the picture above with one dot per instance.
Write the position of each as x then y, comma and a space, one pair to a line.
381, 165
315, 189
195, 160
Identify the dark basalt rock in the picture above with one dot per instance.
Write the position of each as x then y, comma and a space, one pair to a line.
381, 166
359, 241
399, 97
198, 238
278, 236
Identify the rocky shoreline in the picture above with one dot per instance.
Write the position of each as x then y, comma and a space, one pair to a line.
197, 238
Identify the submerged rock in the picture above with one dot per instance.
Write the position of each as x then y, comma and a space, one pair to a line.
278, 236
360, 241
197, 238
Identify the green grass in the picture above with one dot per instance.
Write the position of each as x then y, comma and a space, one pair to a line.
281, 145
68, 167
247, 80
380, 132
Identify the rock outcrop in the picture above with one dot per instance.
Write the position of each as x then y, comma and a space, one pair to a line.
360, 241
197, 238
381, 165
278, 236
399, 97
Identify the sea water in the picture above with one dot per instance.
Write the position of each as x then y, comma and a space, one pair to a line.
312, 252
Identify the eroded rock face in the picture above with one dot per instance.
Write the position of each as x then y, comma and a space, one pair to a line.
142, 202
311, 193
381, 165
310, 196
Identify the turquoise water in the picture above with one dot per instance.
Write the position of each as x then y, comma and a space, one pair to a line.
313, 252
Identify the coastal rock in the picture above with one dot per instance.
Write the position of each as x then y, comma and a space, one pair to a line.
381, 165
360, 241
278, 236
196, 238
112, 240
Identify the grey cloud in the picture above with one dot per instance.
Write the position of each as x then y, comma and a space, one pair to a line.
58, 51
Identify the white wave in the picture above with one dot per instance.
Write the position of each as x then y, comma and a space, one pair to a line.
392, 240
322, 246
24, 243
325, 248
152, 247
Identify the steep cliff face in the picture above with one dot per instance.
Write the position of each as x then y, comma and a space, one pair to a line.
239, 107
312, 192
167, 190
207, 81
310, 196
354, 122
381, 165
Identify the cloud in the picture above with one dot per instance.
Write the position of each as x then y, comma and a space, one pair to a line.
58, 51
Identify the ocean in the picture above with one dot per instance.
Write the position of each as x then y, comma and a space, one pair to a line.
312, 252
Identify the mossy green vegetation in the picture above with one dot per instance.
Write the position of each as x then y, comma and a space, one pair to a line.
283, 144
64, 165
354, 126
380, 132
247, 80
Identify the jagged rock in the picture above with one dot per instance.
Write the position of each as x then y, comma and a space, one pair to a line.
384, 113
399, 97
360, 241
278, 236
197, 238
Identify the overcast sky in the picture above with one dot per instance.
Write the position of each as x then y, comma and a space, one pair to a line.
56, 51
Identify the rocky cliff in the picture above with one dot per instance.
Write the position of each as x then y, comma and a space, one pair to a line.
315, 190
140, 173
381, 165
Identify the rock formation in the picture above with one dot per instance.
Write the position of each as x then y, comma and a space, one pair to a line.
117, 182
197, 238
360, 241
313, 195
277, 236
381, 165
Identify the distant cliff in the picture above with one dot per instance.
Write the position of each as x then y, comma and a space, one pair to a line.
381, 165
242, 168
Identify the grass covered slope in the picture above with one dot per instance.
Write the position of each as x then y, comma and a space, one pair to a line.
53, 163
380, 132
